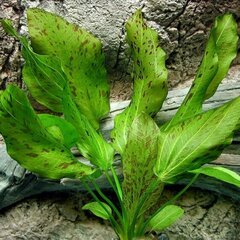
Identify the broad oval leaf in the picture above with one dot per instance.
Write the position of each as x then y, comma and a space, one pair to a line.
138, 160
195, 141
100, 210
221, 49
150, 76
29, 143
165, 218
60, 129
81, 56
220, 173
91, 144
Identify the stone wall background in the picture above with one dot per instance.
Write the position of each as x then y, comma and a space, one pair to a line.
58, 216
10, 58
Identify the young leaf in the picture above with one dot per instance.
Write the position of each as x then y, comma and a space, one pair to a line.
221, 49
81, 56
30, 144
62, 130
150, 75
138, 160
42, 74
220, 173
91, 144
97, 209
195, 141
165, 218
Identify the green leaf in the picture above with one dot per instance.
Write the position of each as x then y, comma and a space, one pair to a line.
44, 78
117, 183
81, 56
60, 129
30, 144
165, 218
150, 75
195, 141
8, 28
138, 160
225, 32
220, 51
100, 210
91, 144
220, 173
42, 74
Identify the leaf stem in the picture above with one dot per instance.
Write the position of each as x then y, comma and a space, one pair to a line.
117, 182
119, 193
114, 223
108, 201
179, 194
142, 200
114, 186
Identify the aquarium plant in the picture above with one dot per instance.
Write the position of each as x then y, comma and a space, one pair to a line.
64, 71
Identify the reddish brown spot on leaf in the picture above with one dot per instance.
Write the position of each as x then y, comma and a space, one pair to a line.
34, 155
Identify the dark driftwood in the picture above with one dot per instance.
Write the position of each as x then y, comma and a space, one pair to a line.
16, 183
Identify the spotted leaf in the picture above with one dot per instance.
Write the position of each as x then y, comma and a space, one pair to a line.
90, 143
195, 141
225, 32
139, 159
150, 74
42, 74
30, 144
221, 49
81, 57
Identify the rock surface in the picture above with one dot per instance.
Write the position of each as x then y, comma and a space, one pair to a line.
59, 217
10, 61
207, 217
52, 217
